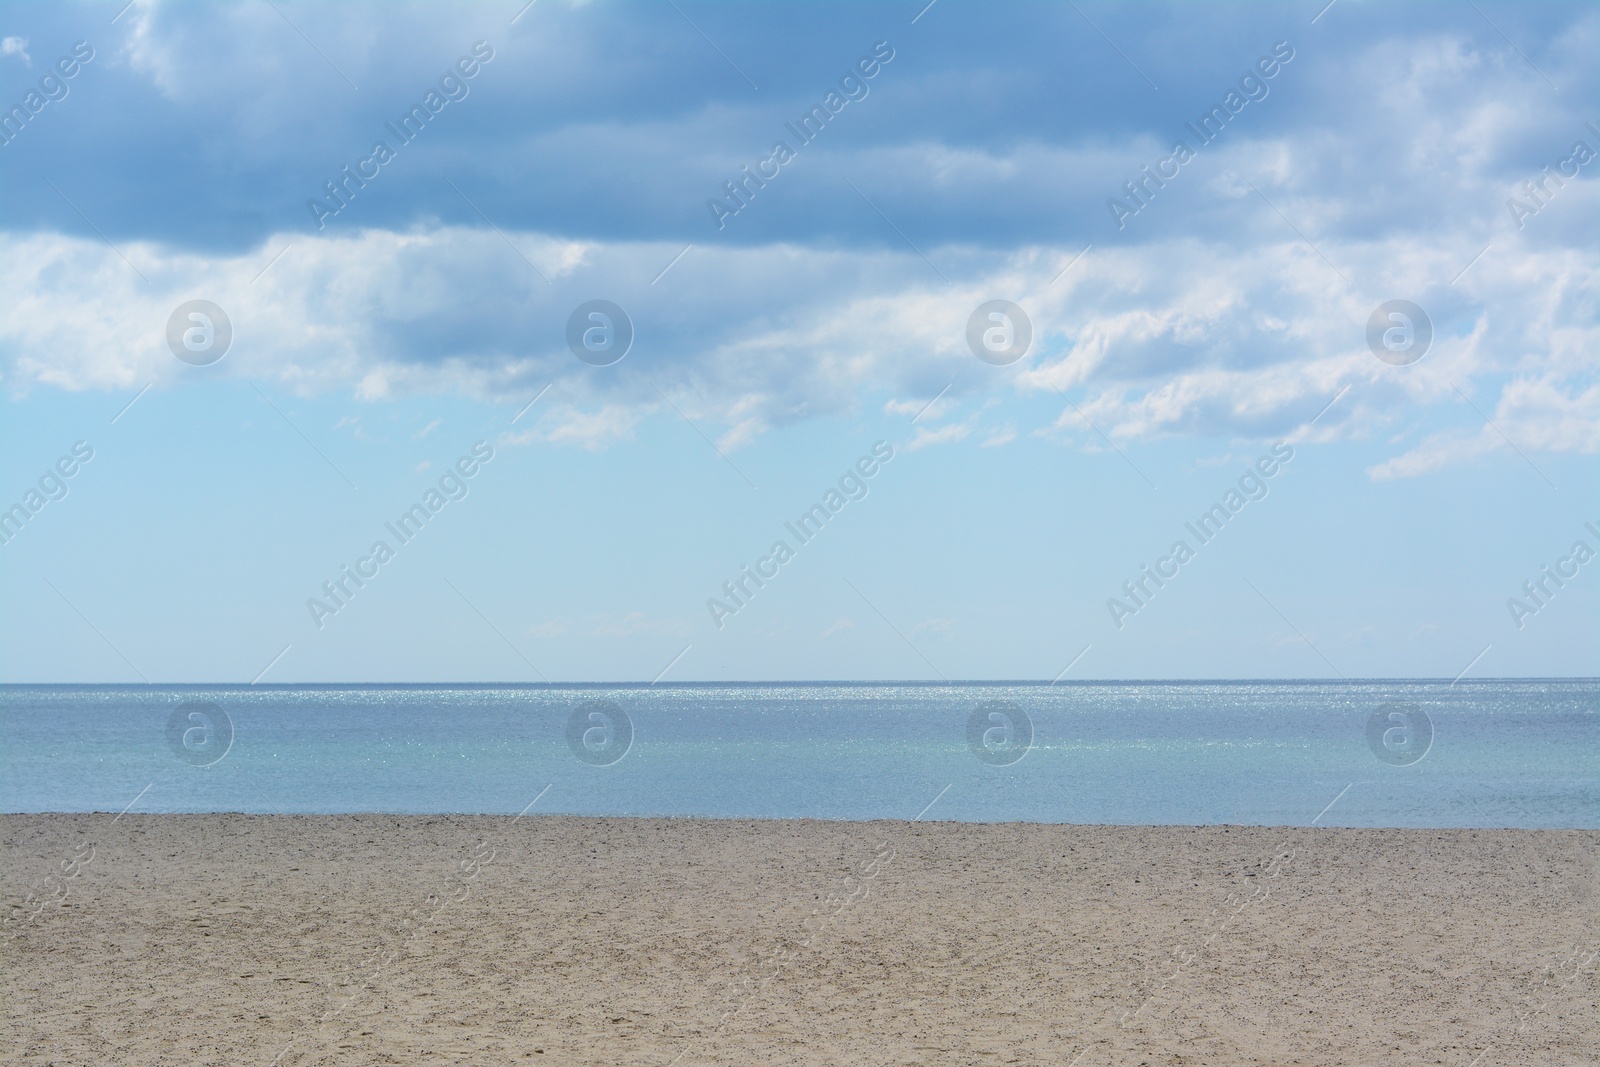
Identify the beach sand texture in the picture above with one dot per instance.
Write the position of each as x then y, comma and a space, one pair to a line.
232, 939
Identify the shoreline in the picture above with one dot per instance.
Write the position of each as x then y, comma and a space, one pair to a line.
800, 821
353, 939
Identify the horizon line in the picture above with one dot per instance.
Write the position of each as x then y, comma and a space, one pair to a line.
926, 683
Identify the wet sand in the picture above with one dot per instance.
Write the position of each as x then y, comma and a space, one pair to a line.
231, 939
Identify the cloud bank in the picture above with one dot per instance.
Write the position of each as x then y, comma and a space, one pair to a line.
1382, 164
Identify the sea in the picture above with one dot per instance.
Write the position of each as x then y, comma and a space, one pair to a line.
1429, 753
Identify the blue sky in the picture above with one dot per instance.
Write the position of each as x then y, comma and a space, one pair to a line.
1371, 153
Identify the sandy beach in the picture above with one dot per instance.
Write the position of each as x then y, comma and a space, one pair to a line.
230, 939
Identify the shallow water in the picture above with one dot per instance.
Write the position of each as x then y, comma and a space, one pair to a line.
1485, 753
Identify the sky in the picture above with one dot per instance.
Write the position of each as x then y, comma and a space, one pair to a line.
278, 274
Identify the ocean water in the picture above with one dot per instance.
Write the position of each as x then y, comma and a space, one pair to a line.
1403, 754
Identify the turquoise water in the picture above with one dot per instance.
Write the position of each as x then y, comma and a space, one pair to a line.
1486, 753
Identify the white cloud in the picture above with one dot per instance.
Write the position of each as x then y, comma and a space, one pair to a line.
1530, 416
1542, 414
943, 435
920, 409
1182, 338
1436, 451
1003, 436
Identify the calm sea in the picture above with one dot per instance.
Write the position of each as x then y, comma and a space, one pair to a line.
1484, 753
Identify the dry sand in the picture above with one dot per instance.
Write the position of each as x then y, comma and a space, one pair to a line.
233, 939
